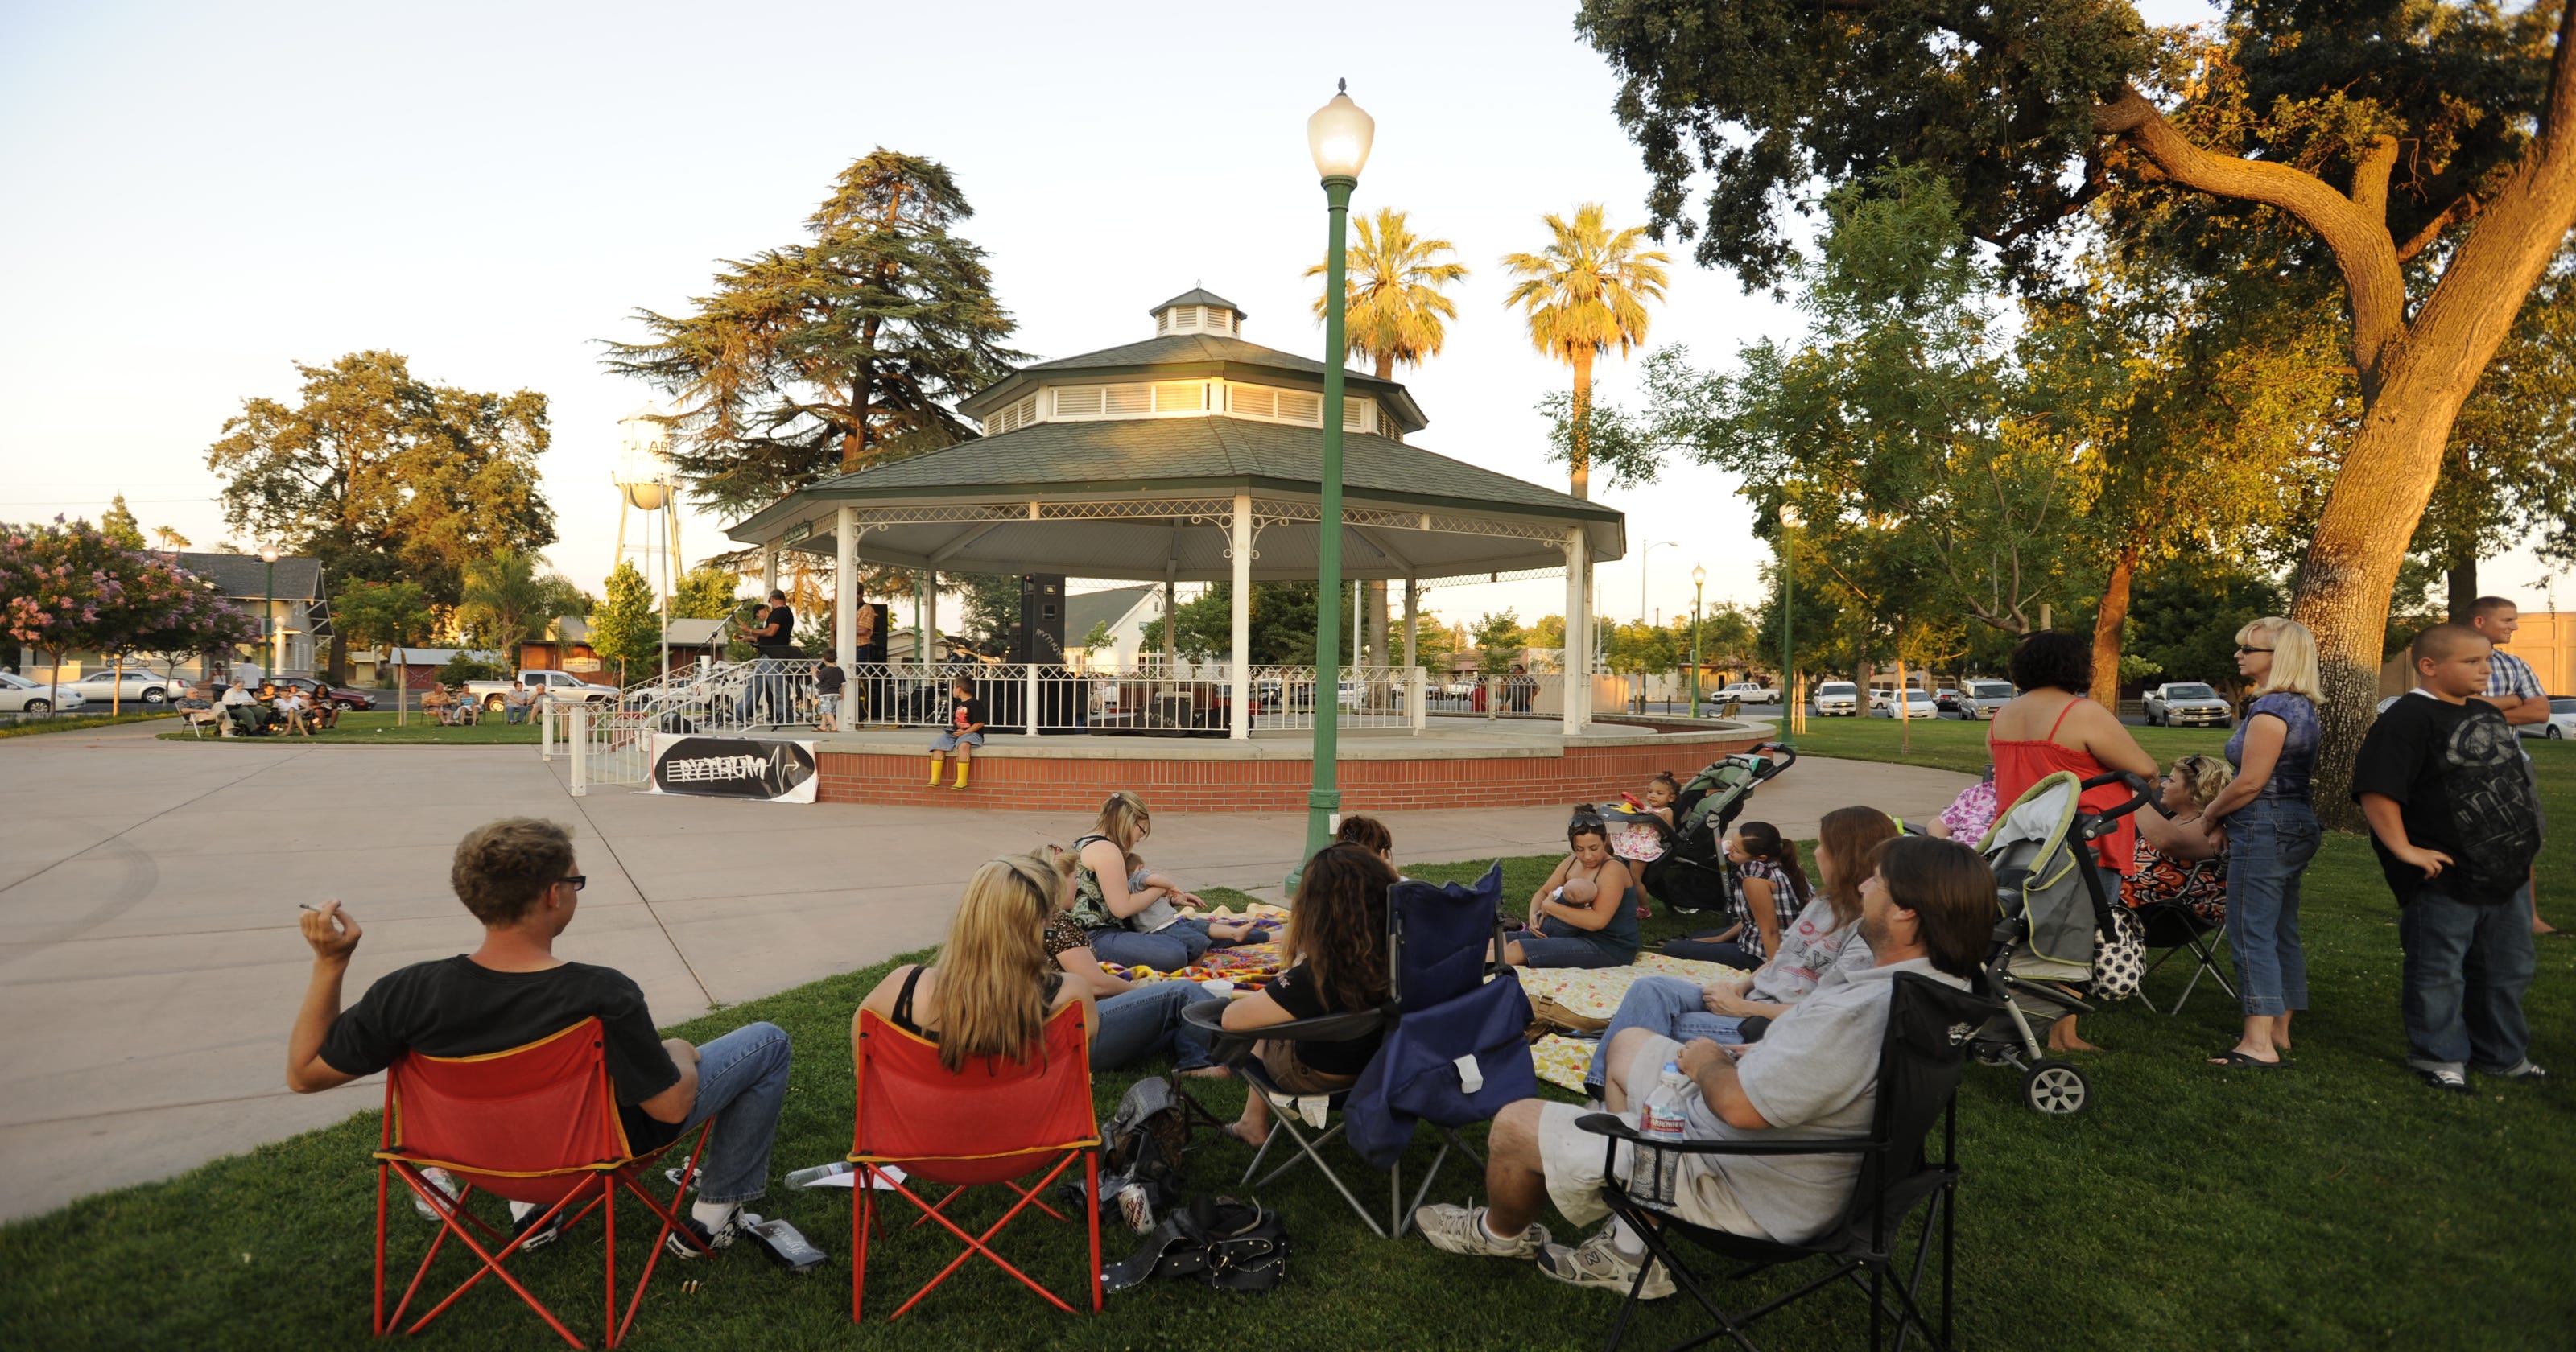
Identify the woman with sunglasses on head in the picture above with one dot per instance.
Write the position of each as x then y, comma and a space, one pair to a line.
1585, 914
1136, 1020
2181, 860
994, 988
2052, 726
2271, 834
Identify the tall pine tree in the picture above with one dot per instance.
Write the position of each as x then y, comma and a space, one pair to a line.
820, 358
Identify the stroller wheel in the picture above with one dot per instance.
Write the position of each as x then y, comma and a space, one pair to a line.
2055, 1087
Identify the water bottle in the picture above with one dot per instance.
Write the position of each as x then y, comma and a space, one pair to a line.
1655, 1175
806, 1178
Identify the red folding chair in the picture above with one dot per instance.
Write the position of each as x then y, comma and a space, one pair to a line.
996, 1121
536, 1123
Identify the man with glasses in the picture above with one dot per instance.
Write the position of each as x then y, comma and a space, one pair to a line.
519, 878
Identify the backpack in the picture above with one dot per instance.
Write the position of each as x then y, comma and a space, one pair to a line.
1140, 1153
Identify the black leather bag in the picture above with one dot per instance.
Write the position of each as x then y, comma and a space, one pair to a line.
1229, 1245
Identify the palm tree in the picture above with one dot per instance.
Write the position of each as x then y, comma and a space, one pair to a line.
1587, 292
507, 602
1394, 314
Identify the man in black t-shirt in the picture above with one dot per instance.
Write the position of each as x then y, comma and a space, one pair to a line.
519, 878
964, 733
2456, 825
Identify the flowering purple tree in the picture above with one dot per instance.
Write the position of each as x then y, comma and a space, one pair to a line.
66, 586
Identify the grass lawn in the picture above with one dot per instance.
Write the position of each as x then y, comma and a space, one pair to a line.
1957, 744
2336, 1205
379, 729
38, 726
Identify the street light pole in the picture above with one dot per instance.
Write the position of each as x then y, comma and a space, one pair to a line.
1792, 703
1699, 580
1643, 555
1338, 135
268, 612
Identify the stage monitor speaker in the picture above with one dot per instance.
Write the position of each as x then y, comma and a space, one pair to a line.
1039, 635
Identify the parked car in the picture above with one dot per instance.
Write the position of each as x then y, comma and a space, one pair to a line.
2561, 724
2184, 704
1459, 689
138, 687
1980, 699
1918, 704
20, 695
346, 696
548, 684
1751, 692
1837, 699
1946, 700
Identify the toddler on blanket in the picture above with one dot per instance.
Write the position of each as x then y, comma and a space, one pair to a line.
1161, 913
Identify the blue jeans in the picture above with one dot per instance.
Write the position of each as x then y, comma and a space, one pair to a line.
769, 688
1557, 944
1668, 1006
516, 713
1167, 950
2269, 844
2466, 969
1135, 1024
742, 1083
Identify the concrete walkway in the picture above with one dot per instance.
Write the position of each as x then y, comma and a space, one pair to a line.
150, 966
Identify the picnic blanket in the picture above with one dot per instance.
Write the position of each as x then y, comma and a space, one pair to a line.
1248, 967
1561, 1060
1592, 994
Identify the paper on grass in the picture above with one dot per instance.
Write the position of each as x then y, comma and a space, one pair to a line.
887, 1177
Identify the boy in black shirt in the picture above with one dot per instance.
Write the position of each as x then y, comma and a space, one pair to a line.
2456, 825
965, 731
518, 877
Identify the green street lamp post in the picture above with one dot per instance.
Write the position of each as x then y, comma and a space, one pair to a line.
1338, 135
268, 612
1790, 701
1699, 580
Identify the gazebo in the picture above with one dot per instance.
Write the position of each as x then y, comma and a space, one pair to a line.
1196, 456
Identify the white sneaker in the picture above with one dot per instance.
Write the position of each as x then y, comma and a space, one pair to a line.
1458, 1229
1598, 1262
441, 1180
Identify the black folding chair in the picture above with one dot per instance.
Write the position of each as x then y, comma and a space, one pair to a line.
1928, 1028
1234, 1047
2173, 927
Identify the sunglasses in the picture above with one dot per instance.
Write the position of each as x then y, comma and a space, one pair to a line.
2241, 650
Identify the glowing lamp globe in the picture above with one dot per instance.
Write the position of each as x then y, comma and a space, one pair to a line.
1339, 134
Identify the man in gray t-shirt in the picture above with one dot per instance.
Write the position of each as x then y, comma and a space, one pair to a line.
1927, 907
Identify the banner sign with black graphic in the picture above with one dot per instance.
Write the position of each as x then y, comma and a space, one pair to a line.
733, 767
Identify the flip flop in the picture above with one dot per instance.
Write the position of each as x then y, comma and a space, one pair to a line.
2236, 1060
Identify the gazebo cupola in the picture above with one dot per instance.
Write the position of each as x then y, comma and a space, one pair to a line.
1197, 311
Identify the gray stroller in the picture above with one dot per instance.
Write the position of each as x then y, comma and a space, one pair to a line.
2053, 911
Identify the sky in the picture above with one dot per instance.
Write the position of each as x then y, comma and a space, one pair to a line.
207, 195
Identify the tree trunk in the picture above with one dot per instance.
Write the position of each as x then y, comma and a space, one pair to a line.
1582, 451
2107, 623
2463, 577
2350, 570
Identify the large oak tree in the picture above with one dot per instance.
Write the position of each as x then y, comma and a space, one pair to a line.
2420, 153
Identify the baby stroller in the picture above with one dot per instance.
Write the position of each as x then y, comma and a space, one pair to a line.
1693, 874
2053, 910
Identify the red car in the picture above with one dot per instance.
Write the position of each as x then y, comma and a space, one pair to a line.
346, 697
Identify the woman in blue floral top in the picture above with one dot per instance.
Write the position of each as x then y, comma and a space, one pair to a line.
2271, 834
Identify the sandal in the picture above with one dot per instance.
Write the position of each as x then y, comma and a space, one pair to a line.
2236, 1060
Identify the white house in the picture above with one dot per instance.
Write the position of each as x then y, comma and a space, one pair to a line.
1125, 611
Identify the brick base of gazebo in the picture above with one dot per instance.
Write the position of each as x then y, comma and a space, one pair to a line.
1377, 774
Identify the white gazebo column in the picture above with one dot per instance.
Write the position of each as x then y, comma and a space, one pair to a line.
1412, 617
768, 570
1576, 664
845, 586
1241, 552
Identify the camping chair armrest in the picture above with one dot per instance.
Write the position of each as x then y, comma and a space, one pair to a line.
1329, 1028
1611, 1125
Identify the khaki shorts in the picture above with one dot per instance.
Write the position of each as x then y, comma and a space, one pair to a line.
1279, 1057
1573, 1158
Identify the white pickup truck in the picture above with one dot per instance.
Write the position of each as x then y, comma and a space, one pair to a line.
1750, 692
2182, 704
560, 686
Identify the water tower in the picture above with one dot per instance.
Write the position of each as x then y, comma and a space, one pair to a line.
646, 483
